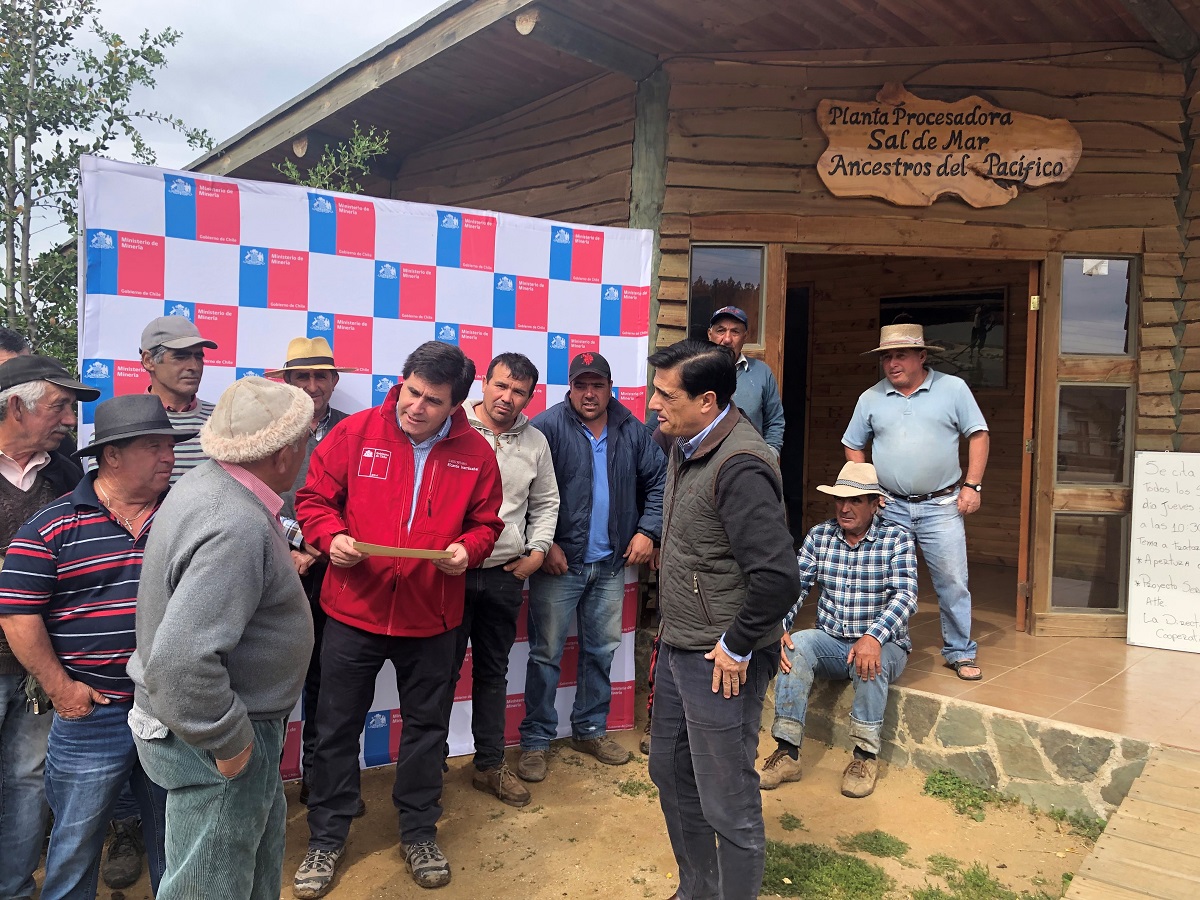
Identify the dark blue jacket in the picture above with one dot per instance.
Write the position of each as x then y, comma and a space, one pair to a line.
637, 474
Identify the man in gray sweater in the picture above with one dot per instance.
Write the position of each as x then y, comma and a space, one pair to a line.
223, 640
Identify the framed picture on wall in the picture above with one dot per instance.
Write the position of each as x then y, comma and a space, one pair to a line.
969, 326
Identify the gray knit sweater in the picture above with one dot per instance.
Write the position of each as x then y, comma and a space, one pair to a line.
224, 631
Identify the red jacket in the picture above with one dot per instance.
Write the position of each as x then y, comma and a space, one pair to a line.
360, 481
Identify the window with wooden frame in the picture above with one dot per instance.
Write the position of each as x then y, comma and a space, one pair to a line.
726, 275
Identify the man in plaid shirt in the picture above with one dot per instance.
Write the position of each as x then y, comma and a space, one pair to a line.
867, 570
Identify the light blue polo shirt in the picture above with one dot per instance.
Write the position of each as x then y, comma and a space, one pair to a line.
914, 439
599, 545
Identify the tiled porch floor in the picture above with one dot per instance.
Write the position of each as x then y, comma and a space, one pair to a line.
1102, 683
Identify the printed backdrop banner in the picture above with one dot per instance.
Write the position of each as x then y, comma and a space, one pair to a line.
255, 264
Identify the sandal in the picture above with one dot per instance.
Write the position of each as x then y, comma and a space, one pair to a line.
961, 664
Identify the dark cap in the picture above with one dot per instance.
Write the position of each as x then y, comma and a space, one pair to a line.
732, 312
589, 362
174, 333
131, 415
24, 369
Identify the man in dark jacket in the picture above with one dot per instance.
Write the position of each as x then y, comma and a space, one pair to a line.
610, 483
727, 577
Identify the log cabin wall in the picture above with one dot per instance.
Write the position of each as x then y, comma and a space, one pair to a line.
1186, 328
845, 294
568, 156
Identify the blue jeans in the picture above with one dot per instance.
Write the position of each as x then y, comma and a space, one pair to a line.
226, 834
938, 527
819, 654
22, 795
702, 750
594, 594
89, 761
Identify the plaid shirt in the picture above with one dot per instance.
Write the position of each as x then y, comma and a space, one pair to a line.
870, 588
291, 528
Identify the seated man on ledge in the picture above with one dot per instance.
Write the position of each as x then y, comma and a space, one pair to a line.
867, 570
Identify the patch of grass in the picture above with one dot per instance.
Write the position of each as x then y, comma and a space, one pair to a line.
966, 798
876, 843
634, 787
571, 760
815, 872
940, 864
788, 822
1086, 826
974, 883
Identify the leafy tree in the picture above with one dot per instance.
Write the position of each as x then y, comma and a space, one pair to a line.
340, 165
66, 89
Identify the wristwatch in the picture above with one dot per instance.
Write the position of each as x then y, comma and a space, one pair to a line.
977, 488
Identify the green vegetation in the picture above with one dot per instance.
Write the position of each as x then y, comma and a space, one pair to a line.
1086, 826
635, 787
974, 883
788, 822
940, 864
967, 799
876, 843
819, 873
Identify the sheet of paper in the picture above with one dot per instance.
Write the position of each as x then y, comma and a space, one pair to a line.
407, 552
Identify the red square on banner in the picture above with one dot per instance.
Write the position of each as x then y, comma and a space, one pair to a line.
629, 609
478, 250
394, 728
620, 708
587, 256
140, 265
635, 311
462, 690
129, 377
537, 403
289, 765
355, 228
218, 324
218, 212
418, 293
287, 279
634, 400
514, 713
533, 303
570, 663
352, 341
581, 343
476, 343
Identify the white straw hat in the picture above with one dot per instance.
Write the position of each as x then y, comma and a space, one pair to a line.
903, 337
855, 480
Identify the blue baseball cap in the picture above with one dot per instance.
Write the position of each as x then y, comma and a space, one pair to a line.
732, 312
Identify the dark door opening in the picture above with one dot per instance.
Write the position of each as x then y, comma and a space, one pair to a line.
794, 391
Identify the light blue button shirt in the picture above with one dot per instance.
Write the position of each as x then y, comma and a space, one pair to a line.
420, 457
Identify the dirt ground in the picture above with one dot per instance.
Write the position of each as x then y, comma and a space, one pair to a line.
597, 831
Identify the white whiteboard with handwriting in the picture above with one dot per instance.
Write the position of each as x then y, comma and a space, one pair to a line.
1164, 552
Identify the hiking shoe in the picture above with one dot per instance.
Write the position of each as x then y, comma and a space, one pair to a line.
778, 768
604, 749
501, 782
645, 745
532, 765
428, 866
314, 878
359, 811
123, 862
859, 778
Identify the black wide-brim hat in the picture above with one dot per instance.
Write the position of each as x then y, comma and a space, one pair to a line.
132, 415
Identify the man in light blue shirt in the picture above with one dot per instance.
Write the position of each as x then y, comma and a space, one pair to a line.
757, 393
913, 419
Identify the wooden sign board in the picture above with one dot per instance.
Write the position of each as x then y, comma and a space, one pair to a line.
911, 151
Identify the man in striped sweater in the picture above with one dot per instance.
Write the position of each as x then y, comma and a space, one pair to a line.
173, 356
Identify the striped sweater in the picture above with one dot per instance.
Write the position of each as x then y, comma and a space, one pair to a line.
188, 454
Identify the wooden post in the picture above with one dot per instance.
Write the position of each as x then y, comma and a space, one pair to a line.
648, 188
1027, 447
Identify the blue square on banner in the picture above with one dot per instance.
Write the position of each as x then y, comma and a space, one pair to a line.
610, 309
377, 738
243, 372
387, 289
101, 261
320, 324
504, 301
449, 239
180, 196
252, 277
561, 240
180, 308
446, 333
322, 224
380, 385
97, 373
558, 358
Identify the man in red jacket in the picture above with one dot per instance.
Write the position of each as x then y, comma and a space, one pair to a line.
410, 473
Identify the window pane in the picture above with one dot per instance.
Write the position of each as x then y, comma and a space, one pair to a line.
1089, 562
1095, 306
725, 276
1091, 434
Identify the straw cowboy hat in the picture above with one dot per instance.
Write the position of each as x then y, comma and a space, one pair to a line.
903, 337
855, 480
128, 416
307, 354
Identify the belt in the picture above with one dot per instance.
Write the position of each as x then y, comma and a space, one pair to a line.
921, 498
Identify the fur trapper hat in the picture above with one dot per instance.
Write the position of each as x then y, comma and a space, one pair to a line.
254, 418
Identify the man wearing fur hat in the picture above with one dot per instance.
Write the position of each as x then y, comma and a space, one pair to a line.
223, 640
913, 420
867, 570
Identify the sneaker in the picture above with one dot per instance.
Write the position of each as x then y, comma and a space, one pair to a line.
501, 782
604, 749
859, 778
532, 765
428, 866
359, 811
123, 862
314, 878
778, 768
645, 745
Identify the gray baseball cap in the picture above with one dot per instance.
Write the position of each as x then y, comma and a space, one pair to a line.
175, 333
